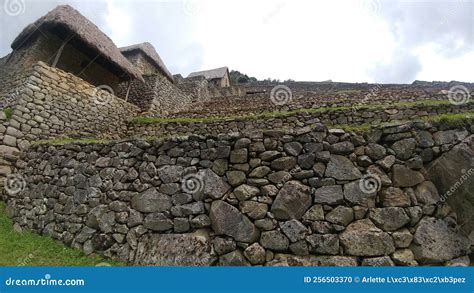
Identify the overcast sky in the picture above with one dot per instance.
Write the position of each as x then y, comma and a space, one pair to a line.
353, 40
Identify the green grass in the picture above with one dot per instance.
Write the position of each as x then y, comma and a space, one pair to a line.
30, 249
8, 112
61, 141
277, 114
447, 120
348, 92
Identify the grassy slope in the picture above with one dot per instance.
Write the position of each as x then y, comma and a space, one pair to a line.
276, 114
30, 249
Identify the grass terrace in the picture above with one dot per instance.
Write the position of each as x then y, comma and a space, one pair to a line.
30, 249
277, 114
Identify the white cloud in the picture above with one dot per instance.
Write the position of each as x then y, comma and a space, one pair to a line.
343, 40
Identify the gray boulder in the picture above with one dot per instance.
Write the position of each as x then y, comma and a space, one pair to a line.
453, 175
341, 168
293, 200
228, 220
174, 250
389, 219
363, 238
405, 177
404, 148
331, 195
436, 242
151, 201
213, 186
274, 240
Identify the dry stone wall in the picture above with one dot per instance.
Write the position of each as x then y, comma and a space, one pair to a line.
306, 197
300, 120
50, 103
196, 87
157, 96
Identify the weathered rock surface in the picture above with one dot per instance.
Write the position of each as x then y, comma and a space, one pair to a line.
174, 250
363, 238
341, 168
454, 185
228, 220
436, 242
293, 200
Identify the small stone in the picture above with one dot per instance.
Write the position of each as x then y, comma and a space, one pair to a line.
255, 210
157, 222
341, 168
292, 201
404, 257
234, 258
315, 213
151, 201
274, 240
323, 244
383, 261
245, 192
405, 177
284, 163
239, 156
426, 193
404, 148
402, 238
354, 194
299, 248
255, 254
228, 220
260, 172
235, 178
293, 148
294, 230
394, 197
375, 151
330, 195
363, 238
342, 148
223, 246
340, 215
389, 219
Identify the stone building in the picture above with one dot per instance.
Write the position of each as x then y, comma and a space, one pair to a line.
158, 95
218, 77
65, 39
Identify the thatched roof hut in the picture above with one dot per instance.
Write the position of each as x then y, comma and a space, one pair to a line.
149, 52
217, 77
68, 24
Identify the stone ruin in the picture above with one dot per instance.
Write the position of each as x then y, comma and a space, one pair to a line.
338, 175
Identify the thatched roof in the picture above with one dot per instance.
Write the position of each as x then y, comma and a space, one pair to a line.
211, 74
64, 20
148, 50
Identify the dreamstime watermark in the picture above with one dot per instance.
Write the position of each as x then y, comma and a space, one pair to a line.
459, 95
370, 184
14, 7
192, 184
103, 94
191, 7
464, 177
370, 7
373, 93
26, 260
273, 12
47, 280
281, 95
14, 184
